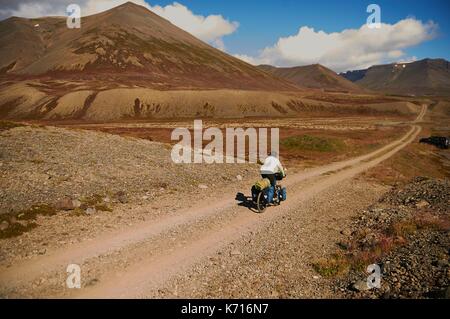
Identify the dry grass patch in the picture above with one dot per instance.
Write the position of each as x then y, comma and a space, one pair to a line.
427, 220
402, 228
103, 207
355, 256
7, 125
95, 201
333, 266
15, 224
313, 143
34, 211
16, 229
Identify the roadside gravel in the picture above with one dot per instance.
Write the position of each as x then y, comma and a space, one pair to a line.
275, 262
134, 179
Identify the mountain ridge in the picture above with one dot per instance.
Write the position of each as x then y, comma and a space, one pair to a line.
423, 77
314, 76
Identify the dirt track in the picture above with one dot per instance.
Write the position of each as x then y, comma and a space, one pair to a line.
152, 257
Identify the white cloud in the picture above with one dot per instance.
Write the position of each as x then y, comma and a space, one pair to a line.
31, 9
349, 49
407, 60
248, 59
210, 28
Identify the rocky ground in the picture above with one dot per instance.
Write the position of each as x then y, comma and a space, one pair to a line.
44, 165
276, 262
49, 175
407, 234
119, 216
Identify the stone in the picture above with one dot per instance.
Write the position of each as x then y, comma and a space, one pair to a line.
4, 225
346, 232
360, 285
202, 186
422, 204
92, 282
442, 263
275, 294
76, 203
91, 210
239, 177
65, 204
122, 197
235, 252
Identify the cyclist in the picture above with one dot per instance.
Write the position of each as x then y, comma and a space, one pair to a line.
270, 169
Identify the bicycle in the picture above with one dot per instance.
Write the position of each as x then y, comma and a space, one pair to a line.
260, 197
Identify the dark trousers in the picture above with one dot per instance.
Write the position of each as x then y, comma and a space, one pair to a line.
273, 181
272, 178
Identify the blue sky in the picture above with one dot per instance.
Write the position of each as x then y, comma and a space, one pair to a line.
291, 32
263, 22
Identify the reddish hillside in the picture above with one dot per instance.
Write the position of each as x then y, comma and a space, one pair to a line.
127, 44
313, 76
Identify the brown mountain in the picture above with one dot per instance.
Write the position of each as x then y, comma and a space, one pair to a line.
425, 77
313, 76
127, 44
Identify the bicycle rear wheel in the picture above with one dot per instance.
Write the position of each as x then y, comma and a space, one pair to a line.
261, 202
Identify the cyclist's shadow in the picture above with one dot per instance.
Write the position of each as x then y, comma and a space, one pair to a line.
246, 202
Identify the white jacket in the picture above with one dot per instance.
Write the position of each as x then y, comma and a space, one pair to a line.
272, 166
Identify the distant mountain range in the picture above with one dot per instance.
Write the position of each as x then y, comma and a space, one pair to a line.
128, 43
128, 63
313, 76
424, 77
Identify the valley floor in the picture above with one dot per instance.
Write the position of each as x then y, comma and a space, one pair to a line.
191, 235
